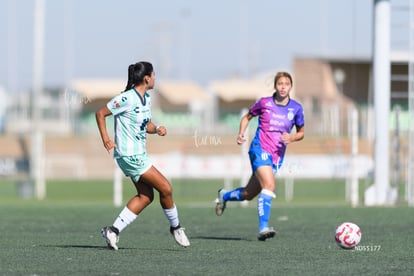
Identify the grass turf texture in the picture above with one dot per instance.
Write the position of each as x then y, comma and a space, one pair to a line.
60, 236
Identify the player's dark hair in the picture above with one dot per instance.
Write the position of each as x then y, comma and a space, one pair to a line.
280, 75
137, 72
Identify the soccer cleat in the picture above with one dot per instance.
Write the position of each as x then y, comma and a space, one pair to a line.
266, 234
220, 203
180, 236
109, 233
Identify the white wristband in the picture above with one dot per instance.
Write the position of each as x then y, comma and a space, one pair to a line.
156, 129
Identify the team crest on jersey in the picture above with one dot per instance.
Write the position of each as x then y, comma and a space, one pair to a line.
290, 114
115, 104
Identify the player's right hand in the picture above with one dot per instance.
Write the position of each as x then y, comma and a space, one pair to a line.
109, 144
240, 139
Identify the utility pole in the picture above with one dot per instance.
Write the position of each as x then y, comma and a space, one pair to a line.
37, 152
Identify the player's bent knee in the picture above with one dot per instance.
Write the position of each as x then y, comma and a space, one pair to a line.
146, 199
166, 192
248, 197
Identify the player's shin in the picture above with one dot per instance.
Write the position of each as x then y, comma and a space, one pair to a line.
264, 205
125, 218
172, 216
234, 195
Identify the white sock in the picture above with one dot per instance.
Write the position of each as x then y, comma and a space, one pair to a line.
125, 218
172, 216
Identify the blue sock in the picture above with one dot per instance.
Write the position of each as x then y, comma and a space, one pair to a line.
264, 205
234, 195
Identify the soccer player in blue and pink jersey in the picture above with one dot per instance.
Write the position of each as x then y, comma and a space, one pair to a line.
132, 115
277, 115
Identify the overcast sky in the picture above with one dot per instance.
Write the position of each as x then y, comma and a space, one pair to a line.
184, 39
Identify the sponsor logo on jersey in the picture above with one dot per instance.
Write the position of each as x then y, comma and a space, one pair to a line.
277, 123
279, 116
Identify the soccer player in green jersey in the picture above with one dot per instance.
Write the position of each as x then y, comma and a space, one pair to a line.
132, 116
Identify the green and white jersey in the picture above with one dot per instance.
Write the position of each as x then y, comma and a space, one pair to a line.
131, 116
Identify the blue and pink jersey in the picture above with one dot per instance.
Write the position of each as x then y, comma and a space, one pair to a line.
273, 121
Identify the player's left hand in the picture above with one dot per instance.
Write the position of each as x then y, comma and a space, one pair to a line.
286, 138
162, 131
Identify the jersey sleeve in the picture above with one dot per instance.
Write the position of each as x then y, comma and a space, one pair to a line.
300, 117
256, 108
118, 104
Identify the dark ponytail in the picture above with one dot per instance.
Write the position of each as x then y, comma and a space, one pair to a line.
137, 72
130, 83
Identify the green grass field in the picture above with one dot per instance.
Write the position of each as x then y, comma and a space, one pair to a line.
60, 235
